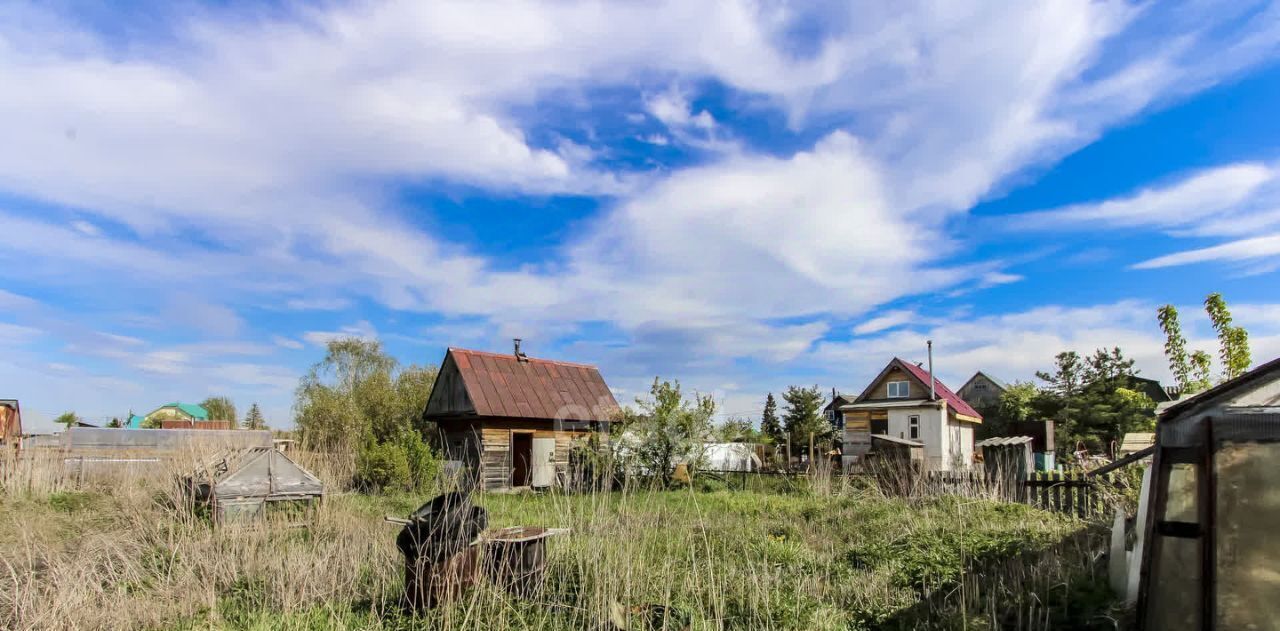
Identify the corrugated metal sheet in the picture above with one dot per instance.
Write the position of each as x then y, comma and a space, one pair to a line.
503, 386
1001, 441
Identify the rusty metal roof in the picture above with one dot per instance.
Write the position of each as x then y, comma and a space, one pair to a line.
503, 385
941, 389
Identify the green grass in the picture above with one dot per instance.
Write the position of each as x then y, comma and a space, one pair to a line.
717, 559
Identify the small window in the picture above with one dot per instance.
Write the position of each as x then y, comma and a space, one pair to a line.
978, 385
913, 427
831, 415
899, 389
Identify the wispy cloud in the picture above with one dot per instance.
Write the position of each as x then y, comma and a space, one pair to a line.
885, 321
1230, 252
362, 329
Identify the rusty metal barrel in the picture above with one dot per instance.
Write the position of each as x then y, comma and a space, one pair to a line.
516, 558
441, 555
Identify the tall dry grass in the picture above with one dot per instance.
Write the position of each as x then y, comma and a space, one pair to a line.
126, 555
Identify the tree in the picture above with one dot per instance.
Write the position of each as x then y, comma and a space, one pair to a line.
1175, 348
770, 426
1094, 401
1233, 341
357, 400
115, 423
67, 419
667, 430
736, 430
1019, 402
220, 409
1067, 376
1202, 371
802, 415
254, 420
1063, 384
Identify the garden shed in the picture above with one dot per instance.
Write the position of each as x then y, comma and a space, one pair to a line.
1208, 557
511, 419
1007, 456
240, 486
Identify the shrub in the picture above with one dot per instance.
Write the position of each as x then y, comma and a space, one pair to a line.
424, 464
405, 463
382, 466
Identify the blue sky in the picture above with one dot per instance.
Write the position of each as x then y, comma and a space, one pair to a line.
194, 197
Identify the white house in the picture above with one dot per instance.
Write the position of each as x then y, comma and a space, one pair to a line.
900, 403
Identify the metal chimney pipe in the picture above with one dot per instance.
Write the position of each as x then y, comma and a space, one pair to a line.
517, 342
932, 395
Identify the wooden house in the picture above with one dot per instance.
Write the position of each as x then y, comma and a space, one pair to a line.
982, 390
906, 402
511, 419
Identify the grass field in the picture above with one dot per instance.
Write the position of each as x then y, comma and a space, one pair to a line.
718, 560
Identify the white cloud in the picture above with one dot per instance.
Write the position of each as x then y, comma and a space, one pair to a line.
362, 329
1233, 200
673, 109
1230, 252
13, 334
885, 321
1015, 345
10, 301
1198, 197
280, 140
285, 342
85, 228
317, 304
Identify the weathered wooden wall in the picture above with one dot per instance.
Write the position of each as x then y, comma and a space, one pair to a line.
918, 389
488, 441
449, 394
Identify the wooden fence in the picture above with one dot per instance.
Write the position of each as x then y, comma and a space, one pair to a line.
1072, 493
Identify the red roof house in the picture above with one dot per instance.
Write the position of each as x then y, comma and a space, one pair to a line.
512, 418
899, 403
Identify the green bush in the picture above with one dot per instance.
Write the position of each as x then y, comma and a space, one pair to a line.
424, 465
404, 463
382, 466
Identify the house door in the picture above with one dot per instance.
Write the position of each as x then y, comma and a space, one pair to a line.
521, 458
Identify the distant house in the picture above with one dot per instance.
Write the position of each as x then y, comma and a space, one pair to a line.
1151, 388
170, 411
899, 403
10, 423
511, 418
982, 390
832, 411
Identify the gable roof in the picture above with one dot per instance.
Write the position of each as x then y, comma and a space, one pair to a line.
1270, 369
195, 411
839, 400
998, 383
922, 375
501, 385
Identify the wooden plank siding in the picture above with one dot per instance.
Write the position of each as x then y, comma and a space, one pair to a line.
880, 390
492, 450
